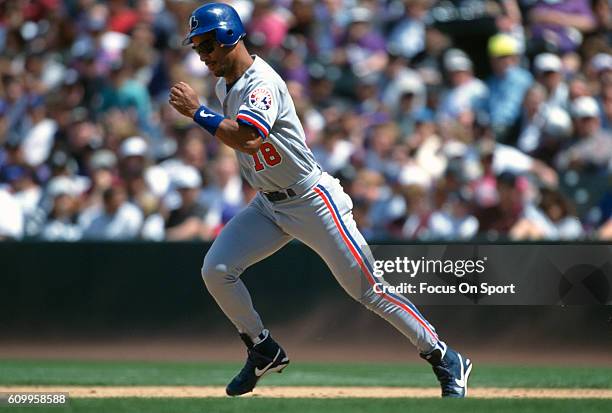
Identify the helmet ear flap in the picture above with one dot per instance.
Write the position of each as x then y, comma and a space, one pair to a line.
228, 37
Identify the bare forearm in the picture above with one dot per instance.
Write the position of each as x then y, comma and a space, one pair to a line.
240, 137
189, 229
545, 173
237, 136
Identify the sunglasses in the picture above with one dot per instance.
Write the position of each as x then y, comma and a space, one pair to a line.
205, 47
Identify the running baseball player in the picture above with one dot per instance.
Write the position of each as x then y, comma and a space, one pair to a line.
295, 199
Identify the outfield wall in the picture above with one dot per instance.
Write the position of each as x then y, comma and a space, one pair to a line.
97, 288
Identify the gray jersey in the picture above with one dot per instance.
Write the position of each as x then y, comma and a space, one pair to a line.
260, 99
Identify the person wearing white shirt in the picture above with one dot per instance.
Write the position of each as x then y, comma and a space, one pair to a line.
116, 219
223, 198
453, 221
333, 153
467, 93
11, 218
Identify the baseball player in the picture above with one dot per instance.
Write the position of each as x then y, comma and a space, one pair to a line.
295, 199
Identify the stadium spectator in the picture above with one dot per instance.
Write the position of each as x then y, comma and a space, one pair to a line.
102, 169
428, 150
578, 87
38, 137
484, 188
269, 25
333, 152
561, 25
373, 196
124, 93
532, 118
466, 93
403, 89
454, 221
27, 193
153, 226
415, 223
116, 219
590, 149
381, 144
61, 223
362, 47
507, 85
543, 128
121, 17
11, 218
135, 170
549, 73
500, 218
187, 220
311, 118
223, 197
407, 36
552, 219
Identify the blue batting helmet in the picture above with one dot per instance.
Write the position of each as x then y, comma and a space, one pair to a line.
221, 18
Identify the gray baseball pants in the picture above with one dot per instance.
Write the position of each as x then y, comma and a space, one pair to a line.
321, 218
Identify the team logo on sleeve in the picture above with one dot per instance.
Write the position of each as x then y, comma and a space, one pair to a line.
261, 98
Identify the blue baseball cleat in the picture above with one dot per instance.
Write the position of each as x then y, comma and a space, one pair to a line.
265, 357
451, 369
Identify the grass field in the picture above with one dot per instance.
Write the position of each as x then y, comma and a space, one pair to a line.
253, 405
81, 373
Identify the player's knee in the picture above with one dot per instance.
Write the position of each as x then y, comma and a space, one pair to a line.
215, 274
371, 300
363, 296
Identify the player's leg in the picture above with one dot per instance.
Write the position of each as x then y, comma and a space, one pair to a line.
327, 226
329, 229
248, 238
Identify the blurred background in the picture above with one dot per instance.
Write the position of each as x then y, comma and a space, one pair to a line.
450, 120
486, 120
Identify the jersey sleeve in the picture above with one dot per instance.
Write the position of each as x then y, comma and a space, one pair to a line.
259, 108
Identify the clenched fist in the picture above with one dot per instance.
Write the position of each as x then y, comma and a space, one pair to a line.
184, 99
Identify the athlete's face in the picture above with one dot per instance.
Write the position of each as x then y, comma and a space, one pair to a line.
211, 53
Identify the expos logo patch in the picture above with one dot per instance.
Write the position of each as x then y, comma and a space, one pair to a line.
261, 98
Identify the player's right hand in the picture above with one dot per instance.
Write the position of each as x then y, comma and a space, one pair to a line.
184, 99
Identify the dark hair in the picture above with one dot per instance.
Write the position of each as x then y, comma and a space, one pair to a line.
551, 197
507, 178
109, 193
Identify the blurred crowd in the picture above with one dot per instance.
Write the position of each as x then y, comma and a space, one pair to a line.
444, 120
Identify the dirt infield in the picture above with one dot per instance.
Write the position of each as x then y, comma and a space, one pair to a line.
309, 392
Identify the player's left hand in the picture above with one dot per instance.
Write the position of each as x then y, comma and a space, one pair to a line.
184, 99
